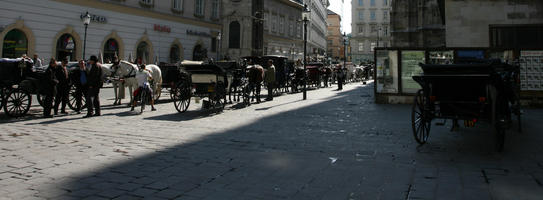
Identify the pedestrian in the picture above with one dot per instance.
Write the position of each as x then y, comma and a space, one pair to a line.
49, 84
118, 82
340, 77
269, 78
37, 61
79, 80
94, 83
63, 86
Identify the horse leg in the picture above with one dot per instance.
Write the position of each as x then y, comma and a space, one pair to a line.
115, 86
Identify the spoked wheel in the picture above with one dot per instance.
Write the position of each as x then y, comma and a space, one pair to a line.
420, 119
72, 100
2, 95
172, 93
181, 97
17, 103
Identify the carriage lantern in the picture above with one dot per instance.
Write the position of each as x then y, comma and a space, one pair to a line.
306, 14
86, 22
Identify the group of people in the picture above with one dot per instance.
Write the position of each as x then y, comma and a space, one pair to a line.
87, 79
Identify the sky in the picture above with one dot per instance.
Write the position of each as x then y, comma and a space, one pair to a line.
336, 6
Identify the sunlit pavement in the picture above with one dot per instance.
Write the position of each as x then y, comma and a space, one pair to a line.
335, 145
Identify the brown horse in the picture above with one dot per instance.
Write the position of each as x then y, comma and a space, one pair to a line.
255, 73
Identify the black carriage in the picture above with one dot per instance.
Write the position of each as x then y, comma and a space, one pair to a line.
203, 81
18, 81
237, 80
171, 75
469, 92
281, 72
314, 73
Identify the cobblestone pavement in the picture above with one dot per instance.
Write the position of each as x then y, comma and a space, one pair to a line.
335, 145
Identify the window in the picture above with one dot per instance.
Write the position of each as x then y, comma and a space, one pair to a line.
234, 35
199, 7
373, 46
175, 53
360, 46
266, 21
177, 5
147, 2
215, 9
361, 29
372, 2
385, 30
66, 47
274, 23
15, 44
385, 2
373, 28
516, 36
281, 24
299, 29
385, 15
142, 52
360, 2
372, 15
291, 28
111, 49
361, 15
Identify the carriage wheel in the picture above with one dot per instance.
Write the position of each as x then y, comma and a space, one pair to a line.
181, 97
420, 119
2, 95
72, 101
172, 94
17, 103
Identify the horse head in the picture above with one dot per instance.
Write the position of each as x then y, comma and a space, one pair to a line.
125, 69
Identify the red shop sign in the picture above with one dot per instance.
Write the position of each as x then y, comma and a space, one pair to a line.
160, 28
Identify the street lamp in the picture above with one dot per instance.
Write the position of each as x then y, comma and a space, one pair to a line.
344, 50
305, 18
86, 22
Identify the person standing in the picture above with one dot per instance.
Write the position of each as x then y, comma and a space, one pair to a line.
63, 86
270, 79
94, 83
79, 80
49, 84
37, 61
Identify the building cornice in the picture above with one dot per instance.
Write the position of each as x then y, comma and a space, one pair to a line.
139, 12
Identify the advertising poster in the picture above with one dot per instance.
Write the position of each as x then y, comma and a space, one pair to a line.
410, 68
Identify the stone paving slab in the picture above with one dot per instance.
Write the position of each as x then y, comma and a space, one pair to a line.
335, 145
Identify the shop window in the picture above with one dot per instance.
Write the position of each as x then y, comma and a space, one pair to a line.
175, 53
15, 44
410, 68
111, 49
387, 71
142, 52
199, 53
234, 35
516, 36
66, 47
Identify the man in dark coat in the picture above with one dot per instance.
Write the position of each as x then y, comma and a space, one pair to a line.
49, 84
79, 80
94, 83
63, 86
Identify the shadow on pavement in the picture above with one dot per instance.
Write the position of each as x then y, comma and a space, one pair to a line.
343, 148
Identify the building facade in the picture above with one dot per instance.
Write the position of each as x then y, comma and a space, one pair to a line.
316, 34
504, 24
155, 31
418, 23
259, 27
334, 37
370, 28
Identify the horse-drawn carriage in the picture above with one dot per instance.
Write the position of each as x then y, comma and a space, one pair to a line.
201, 80
314, 73
17, 83
469, 92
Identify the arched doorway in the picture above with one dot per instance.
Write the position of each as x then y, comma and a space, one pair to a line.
234, 35
15, 44
143, 52
175, 53
111, 49
199, 53
66, 47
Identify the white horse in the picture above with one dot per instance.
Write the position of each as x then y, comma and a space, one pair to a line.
156, 73
127, 72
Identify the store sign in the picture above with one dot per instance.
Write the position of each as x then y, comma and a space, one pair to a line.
95, 18
198, 33
161, 28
